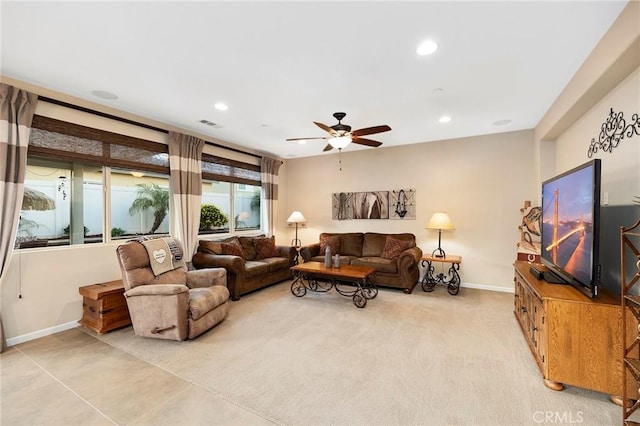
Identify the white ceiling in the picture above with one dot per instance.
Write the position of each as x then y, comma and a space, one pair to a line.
282, 65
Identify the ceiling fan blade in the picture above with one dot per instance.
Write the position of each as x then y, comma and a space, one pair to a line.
324, 127
371, 130
303, 139
327, 148
368, 142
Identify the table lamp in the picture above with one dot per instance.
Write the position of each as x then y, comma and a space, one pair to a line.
296, 217
440, 221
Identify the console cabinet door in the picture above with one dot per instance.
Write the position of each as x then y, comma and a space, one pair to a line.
540, 333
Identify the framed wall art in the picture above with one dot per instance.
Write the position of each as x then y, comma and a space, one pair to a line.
403, 204
371, 205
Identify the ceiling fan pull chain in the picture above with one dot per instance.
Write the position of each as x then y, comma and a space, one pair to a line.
340, 157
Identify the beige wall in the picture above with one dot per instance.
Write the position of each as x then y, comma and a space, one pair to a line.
621, 166
481, 182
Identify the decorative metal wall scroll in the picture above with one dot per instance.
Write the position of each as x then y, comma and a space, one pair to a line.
403, 204
613, 130
360, 205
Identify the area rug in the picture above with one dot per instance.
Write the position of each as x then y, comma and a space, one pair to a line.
423, 358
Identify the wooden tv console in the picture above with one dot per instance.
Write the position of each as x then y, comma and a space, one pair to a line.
574, 340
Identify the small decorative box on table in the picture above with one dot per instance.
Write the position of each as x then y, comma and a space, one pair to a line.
104, 307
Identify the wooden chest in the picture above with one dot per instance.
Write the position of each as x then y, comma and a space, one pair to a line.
104, 307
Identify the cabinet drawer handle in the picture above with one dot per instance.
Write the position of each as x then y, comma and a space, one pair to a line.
92, 309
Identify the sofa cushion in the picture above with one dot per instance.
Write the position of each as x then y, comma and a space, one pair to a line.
351, 244
381, 264
333, 242
211, 247
276, 263
265, 247
393, 247
233, 247
373, 244
254, 268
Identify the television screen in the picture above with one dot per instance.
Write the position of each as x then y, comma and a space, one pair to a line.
570, 226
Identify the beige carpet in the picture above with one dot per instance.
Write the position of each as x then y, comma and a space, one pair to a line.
424, 358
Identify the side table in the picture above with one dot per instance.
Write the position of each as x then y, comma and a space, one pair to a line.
104, 307
451, 279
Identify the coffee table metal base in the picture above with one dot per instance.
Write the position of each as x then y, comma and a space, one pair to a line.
359, 290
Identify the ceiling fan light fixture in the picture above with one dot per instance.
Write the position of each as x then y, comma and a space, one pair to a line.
340, 141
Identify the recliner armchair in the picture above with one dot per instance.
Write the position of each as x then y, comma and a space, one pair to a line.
177, 304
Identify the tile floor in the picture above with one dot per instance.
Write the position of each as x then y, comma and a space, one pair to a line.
72, 378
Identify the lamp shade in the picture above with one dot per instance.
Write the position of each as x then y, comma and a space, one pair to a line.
440, 221
296, 217
340, 141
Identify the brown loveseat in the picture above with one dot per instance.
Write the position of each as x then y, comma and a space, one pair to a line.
395, 256
252, 262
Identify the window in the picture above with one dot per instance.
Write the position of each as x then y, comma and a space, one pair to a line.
71, 165
246, 207
139, 203
63, 205
231, 193
216, 207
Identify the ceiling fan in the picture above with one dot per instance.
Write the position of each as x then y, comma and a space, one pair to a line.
341, 134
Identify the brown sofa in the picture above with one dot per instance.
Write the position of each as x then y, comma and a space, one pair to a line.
359, 248
248, 270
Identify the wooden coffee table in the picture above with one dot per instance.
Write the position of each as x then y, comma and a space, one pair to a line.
348, 280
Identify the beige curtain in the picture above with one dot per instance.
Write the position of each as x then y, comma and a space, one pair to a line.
16, 114
269, 175
185, 183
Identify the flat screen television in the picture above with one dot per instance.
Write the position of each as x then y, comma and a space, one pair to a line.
570, 232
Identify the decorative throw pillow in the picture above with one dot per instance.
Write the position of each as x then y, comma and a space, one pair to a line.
265, 247
329, 241
393, 247
233, 247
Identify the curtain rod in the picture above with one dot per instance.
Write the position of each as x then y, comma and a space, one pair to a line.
135, 123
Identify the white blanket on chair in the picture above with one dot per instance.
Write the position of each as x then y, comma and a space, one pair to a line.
164, 254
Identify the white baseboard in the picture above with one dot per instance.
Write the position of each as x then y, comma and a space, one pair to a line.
41, 333
488, 287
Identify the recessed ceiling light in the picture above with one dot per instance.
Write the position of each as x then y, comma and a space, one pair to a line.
302, 141
501, 122
438, 91
427, 47
221, 107
444, 119
104, 94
